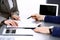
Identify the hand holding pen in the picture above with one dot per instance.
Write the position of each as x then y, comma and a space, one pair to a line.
34, 17
37, 17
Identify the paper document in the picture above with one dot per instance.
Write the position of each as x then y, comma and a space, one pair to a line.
27, 23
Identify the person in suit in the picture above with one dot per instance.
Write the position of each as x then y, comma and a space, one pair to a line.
8, 9
54, 31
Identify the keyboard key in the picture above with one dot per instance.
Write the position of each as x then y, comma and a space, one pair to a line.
13, 31
7, 31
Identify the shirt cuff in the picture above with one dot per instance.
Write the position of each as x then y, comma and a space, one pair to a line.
51, 29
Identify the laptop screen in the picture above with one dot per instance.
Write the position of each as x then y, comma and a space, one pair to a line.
49, 9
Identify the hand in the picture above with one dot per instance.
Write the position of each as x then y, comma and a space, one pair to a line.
42, 30
38, 17
15, 17
11, 22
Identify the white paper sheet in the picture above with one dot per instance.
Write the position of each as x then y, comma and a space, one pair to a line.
26, 23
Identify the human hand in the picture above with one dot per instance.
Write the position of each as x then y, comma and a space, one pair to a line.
38, 17
16, 17
11, 22
44, 30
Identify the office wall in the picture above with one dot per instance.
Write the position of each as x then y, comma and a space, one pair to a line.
28, 7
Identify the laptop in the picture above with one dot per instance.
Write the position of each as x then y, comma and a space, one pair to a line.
49, 9
17, 32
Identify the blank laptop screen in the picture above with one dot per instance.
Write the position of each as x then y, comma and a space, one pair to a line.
49, 10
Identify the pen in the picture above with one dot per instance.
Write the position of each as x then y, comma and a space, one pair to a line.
39, 25
31, 16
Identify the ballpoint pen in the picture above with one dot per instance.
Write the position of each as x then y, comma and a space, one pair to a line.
31, 16
39, 25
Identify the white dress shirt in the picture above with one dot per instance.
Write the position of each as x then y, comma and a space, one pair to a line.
10, 4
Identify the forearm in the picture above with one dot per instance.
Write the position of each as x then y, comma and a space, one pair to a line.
56, 31
52, 19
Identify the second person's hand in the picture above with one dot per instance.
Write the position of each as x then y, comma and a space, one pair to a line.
38, 17
44, 30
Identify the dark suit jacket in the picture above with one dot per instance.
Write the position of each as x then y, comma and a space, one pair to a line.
5, 11
54, 19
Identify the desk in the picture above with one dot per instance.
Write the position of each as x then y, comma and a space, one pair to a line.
37, 36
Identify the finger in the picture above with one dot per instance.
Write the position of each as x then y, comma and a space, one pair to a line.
34, 17
16, 22
7, 23
36, 29
12, 23
33, 14
17, 18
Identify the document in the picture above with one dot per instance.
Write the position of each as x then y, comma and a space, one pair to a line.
26, 23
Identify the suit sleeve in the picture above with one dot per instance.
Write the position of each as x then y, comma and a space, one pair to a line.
56, 32
15, 10
15, 13
52, 19
1, 20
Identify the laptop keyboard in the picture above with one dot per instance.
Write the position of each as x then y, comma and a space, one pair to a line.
6, 38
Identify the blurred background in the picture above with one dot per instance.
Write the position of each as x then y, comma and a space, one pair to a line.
28, 7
